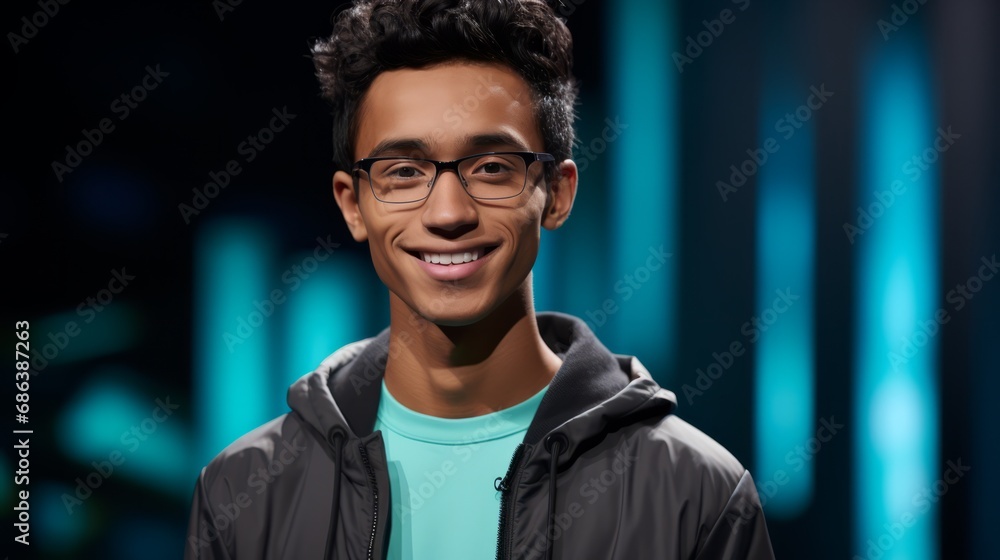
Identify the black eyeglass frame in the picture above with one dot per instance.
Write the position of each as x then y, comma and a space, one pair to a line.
365, 164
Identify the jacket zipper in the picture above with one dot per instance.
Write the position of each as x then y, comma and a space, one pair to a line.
503, 486
374, 485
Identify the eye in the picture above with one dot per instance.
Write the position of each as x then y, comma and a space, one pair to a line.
401, 170
492, 167
404, 172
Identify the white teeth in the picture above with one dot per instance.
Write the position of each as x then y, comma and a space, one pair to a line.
450, 258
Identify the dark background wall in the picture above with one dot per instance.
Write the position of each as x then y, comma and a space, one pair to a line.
133, 300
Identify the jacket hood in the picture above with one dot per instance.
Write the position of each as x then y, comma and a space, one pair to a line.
592, 391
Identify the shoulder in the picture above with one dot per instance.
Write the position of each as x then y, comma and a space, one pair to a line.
694, 444
235, 494
694, 457
270, 448
726, 518
699, 481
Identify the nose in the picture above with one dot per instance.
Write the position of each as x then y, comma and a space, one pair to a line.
448, 207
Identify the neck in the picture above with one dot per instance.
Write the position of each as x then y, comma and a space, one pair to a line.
469, 370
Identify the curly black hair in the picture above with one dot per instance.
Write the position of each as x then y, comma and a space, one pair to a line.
374, 36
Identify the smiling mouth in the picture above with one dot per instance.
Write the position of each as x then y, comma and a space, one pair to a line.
453, 258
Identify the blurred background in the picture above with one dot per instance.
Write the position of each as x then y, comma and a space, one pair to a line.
822, 176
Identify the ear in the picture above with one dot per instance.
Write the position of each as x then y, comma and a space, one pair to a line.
562, 192
347, 200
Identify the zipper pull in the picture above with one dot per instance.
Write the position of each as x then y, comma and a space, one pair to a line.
500, 484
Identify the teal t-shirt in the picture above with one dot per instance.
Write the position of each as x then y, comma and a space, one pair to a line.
441, 471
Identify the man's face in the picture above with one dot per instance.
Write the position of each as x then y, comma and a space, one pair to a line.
444, 113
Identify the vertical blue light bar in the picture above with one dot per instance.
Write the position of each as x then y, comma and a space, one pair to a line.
785, 246
327, 311
897, 289
232, 266
544, 274
584, 285
639, 135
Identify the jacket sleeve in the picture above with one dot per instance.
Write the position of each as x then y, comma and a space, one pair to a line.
740, 532
204, 541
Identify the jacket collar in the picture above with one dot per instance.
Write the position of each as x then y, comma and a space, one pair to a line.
346, 387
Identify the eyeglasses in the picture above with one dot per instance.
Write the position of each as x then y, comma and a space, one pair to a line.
486, 176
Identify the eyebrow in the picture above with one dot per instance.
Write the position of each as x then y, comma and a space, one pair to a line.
494, 139
410, 145
398, 145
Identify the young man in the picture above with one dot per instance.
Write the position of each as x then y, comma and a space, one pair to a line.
471, 428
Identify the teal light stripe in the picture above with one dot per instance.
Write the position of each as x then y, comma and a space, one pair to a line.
784, 382
896, 448
544, 274
326, 311
141, 436
643, 98
584, 283
233, 265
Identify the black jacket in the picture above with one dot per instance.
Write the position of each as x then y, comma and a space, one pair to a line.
605, 470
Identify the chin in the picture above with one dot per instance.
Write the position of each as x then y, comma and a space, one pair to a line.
453, 318
452, 308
